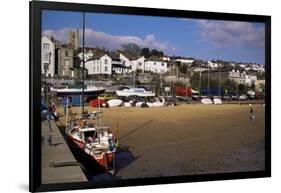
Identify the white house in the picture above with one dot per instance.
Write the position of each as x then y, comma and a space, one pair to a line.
101, 64
184, 60
125, 59
234, 74
47, 56
120, 64
213, 64
106, 64
249, 79
166, 58
242, 77
134, 62
255, 67
242, 65
199, 69
155, 64
138, 64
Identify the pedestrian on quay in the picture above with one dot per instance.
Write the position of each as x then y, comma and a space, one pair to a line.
252, 116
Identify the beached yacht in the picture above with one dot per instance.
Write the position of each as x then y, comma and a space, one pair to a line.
96, 142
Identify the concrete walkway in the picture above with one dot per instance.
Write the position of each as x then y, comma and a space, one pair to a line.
55, 150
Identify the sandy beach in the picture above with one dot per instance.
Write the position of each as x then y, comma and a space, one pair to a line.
187, 139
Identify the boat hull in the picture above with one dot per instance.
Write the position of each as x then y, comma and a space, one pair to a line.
114, 102
74, 92
100, 163
140, 94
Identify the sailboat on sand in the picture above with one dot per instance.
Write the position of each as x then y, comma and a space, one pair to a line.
98, 143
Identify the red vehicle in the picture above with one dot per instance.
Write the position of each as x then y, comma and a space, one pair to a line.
183, 91
97, 103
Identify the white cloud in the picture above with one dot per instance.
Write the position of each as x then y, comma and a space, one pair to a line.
223, 34
97, 38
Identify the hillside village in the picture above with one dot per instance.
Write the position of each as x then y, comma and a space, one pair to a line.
143, 66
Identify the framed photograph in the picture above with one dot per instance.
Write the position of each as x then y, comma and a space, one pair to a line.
125, 96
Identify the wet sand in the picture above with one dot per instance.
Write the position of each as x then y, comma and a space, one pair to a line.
187, 139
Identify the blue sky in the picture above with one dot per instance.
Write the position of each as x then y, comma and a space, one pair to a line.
202, 39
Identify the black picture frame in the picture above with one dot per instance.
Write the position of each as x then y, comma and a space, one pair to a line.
36, 7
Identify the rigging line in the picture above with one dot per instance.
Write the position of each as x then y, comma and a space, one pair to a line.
134, 130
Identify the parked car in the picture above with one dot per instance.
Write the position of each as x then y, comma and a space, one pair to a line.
243, 97
234, 97
226, 97
97, 103
260, 96
251, 94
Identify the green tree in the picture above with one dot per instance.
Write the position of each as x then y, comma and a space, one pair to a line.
229, 86
155, 52
194, 81
183, 68
242, 88
145, 52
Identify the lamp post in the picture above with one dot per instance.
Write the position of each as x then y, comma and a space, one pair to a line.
186, 82
45, 89
83, 64
200, 74
46, 68
208, 81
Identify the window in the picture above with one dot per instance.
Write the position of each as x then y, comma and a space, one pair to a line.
140, 63
94, 69
46, 66
66, 62
154, 63
105, 61
105, 69
163, 64
66, 53
98, 69
46, 47
46, 56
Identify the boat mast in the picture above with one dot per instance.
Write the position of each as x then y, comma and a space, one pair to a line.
83, 63
219, 80
200, 74
66, 112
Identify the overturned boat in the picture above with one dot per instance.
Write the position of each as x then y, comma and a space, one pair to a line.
114, 102
206, 101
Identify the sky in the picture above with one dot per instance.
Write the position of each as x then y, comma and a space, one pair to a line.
197, 38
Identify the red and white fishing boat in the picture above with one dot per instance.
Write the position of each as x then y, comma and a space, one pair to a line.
98, 143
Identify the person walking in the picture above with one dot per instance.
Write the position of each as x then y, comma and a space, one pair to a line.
252, 116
